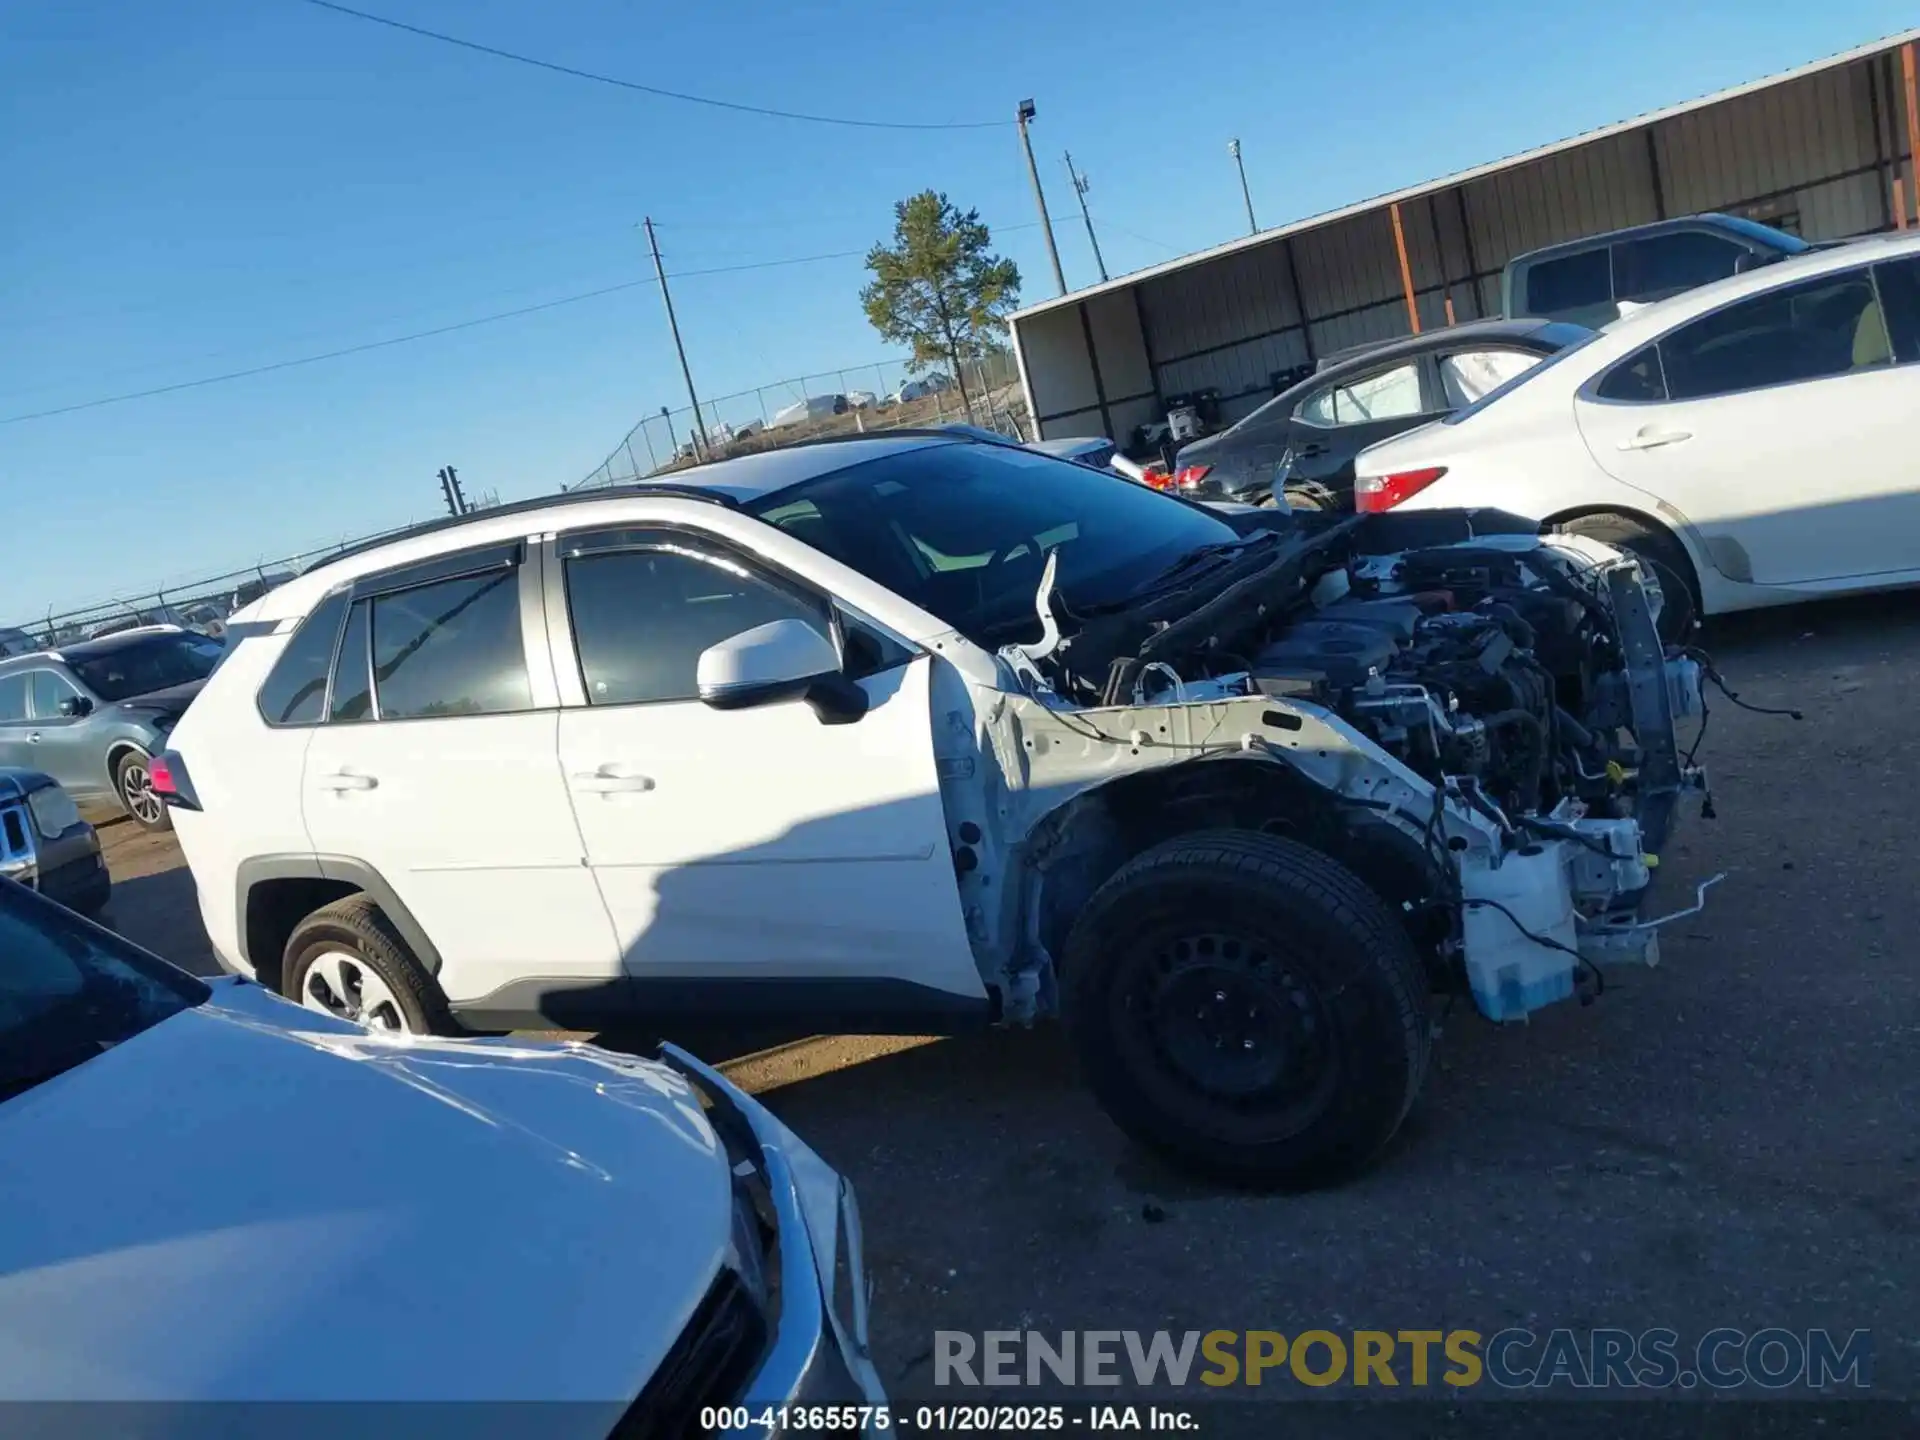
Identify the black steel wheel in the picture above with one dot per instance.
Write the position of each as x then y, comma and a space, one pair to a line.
1249, 1008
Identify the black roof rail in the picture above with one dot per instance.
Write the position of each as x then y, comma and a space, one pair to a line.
644, 488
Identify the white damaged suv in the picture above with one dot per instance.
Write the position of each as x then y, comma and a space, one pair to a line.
907, 732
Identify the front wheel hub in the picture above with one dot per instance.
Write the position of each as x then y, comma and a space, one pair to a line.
1233, 1023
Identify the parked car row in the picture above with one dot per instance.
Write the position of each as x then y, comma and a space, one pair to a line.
1303, 443
1751, 438
207, 615
92, 715
824, 407
1738, 422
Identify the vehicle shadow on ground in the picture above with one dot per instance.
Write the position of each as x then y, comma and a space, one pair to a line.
160, 911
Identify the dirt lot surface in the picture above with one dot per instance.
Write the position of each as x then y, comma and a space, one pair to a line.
1730, 1140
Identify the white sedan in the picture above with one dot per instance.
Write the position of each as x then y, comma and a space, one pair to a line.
210, 1194
1753, 438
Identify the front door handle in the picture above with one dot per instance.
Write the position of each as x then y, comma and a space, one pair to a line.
342, 780
34, 738
605, 781
1652, 437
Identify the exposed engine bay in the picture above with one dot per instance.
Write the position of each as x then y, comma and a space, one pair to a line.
1520, 677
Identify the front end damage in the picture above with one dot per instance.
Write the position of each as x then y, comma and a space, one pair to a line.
1477, 720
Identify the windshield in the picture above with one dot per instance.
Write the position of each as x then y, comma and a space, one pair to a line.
1534, 372
963, 531
138, 667
1779, 241
69, 991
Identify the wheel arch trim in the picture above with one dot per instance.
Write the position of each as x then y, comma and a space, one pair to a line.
341, 868
1658, 516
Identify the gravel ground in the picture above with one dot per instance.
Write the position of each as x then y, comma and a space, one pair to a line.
1729, 1140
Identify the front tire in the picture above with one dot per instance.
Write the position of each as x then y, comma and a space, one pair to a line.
1248, 1008
347, 960
134, 786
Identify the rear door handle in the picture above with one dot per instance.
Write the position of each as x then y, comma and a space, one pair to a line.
1652, 437
341, 780
34, 738
606, 781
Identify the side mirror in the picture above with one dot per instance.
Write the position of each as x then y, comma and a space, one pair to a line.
74, 706
781, 660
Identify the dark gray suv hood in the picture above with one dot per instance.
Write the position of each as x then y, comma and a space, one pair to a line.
171, 701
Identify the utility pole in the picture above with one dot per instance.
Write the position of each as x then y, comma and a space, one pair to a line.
1025, 113
699, 425
1080, 189
450, 488
1233, 149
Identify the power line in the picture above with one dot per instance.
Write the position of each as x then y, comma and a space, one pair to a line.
392, 340
1136, 235
656, 90
764, 264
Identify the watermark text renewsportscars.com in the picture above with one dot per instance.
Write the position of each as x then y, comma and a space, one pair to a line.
1442, 1360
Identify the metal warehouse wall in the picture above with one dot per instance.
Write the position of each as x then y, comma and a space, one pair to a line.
1816, 154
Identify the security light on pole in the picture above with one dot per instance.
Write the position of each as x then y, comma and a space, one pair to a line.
1233, 149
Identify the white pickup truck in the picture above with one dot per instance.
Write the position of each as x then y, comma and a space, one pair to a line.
914, 731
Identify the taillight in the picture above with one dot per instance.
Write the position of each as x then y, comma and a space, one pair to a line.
167, 773
1156, 476
1188, 477
1383, 492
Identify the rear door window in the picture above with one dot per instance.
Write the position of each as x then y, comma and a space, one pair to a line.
353, 672
295, 692
13, 699
452, 648
1663, 265
1637, 379
1819, 328
1385, 395
1470, 375
1581, 281
1899, 283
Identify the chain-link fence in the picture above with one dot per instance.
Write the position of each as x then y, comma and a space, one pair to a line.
880, 395
201, 605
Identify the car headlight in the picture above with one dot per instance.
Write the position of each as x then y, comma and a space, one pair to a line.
53, 811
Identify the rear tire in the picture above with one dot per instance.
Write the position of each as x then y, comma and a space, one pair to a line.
1653, 546
1248, 1008
1310, 496
134, 786
347, 960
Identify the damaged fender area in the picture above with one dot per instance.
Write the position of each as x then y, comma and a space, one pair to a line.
1046, 801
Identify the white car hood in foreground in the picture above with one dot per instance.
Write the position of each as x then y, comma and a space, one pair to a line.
250, 1202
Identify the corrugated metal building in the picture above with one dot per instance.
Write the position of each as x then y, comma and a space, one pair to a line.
1816, 151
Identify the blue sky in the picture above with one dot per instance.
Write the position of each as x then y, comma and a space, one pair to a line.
200, 186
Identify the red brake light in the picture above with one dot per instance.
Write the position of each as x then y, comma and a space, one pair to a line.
160, 773
167, 774
1190, 476
1383, 492
1156, 476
